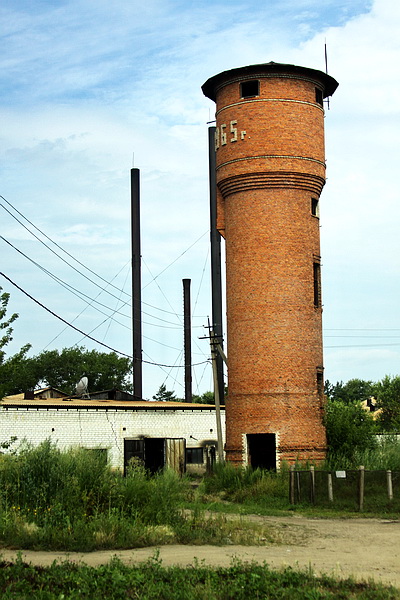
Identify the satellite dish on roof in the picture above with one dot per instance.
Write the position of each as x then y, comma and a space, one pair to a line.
81, 388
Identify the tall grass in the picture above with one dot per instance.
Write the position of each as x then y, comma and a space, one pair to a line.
386, 455
151, 580
248, 486
72, 499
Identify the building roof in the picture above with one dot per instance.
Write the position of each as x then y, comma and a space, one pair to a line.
18, 401
211, 86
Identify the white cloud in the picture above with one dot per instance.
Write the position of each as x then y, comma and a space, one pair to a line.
89, 84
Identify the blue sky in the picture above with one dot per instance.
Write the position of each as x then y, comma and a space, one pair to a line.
88, 87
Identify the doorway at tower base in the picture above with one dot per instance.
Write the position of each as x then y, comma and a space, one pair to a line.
261, 451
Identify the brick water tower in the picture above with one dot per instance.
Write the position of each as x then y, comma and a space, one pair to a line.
270, 171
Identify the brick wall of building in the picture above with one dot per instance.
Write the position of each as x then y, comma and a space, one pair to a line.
107, 429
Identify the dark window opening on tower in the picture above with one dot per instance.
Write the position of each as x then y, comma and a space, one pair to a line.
249, 89
262, 450
315, 207
320, 381
317, 285
319, 97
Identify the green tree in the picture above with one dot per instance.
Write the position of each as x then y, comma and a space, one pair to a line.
349, 429
8, 366
388, 400
205, 398
63, 369
355, 390
163, 395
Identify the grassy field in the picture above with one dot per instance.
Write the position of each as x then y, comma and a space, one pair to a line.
73, 501
151, 580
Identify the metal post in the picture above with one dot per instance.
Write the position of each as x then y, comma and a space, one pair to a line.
312, 484
187, 340
136, 284
361, 487
389, 484
291, 486
330, 487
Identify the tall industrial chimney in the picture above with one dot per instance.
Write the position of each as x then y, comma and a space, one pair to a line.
270, 166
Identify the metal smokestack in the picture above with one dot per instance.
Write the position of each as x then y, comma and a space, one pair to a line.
187, 339
136, 284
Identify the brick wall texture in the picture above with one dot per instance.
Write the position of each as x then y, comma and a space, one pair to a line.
270, 165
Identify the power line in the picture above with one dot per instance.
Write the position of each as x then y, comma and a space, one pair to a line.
88, 299
85, 334
63, 283
82, 264
62, 249
174, 261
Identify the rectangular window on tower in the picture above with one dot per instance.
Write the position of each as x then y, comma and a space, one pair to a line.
317, 284
249, 89
315, 207
320, 381
319, 97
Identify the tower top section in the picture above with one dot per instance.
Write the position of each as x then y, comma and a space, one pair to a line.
265, 70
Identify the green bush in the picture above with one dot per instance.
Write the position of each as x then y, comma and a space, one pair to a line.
349, 429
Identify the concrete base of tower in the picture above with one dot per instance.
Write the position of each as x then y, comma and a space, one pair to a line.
234, 456
266, 430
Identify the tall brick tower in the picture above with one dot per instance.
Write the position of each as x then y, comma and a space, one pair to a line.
270, 171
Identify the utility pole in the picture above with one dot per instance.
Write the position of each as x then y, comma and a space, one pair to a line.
214, 354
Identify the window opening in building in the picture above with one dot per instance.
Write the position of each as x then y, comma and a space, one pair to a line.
249, 89
317, 284
133, 449
315, 207
319, 97
262, 450
194, 456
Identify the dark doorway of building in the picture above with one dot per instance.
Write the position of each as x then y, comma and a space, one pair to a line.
262, 450
156, 453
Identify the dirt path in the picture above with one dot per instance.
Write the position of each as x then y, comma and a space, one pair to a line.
363, 548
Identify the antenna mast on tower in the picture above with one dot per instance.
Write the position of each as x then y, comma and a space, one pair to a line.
326, 69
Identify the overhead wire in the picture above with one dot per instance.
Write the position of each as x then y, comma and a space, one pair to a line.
63, 283
80, 294
78, 315
82, 332
89, 300
174, 261
58, 246
77, 260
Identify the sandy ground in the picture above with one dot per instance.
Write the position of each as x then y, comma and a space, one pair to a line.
363, 548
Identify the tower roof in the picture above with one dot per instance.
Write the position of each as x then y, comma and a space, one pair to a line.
211, 86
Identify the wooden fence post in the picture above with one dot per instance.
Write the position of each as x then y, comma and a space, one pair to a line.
361, 482
298, 489
389, 484
292, 498
312, 484
330, 487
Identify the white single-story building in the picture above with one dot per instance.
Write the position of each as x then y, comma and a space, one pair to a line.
176, 434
